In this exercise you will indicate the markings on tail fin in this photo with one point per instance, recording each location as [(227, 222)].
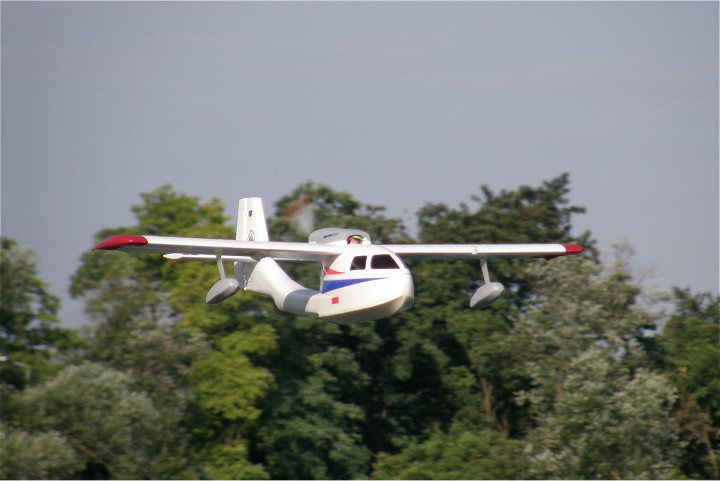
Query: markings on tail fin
[(251, 224)]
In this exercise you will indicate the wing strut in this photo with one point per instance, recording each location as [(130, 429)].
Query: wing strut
[(220, 266), (488, 292), (223, 288), (484, 268)]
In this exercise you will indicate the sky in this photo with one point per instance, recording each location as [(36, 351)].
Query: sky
[(398, 103)]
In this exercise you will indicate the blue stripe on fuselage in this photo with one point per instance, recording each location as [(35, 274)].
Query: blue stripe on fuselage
[(328, 286)]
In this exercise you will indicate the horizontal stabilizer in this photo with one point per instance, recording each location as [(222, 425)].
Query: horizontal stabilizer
[(178, 256)]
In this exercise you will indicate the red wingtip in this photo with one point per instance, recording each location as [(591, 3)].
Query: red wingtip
[(119, 241), (571, 249)]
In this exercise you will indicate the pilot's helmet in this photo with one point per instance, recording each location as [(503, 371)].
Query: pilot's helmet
[(355, 239)]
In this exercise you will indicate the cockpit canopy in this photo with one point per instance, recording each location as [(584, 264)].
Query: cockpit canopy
[(337, 236), (377, 261)]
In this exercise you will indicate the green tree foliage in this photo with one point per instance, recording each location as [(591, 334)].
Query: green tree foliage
[(331, 208), (310, 434), (461, 453), (690, 356), (553, 380), (119, 288), (599, 414), (194, 360), (36, 455), (30, 334), (228, 386), (88, 414), (607, 423), (315, 419), (577, 304), (422, 368), (477, 340), (529, 214), (226, 381), (229, 460)]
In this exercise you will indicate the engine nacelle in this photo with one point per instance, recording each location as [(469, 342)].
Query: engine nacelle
[(486, 295), (221, 290)]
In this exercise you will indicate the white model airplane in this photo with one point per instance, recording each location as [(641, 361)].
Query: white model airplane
[(359, 280)]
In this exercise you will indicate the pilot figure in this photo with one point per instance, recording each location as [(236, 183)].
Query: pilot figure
[(355, 239)]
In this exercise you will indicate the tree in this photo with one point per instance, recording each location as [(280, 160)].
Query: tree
[(30, 333), (310, 434), (607, 422), (36, 455), (437, 391), (599, 411), (315, 419), (417, 370), (119, 288), (577, 304), (528, 214), (151, 323), (463, 367), (689, 354), (461, 453), (476, 342), (91, 414), (229, 387), (330, 208)]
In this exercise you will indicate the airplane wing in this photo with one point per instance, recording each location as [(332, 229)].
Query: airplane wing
[(198, 248), (468, 251)]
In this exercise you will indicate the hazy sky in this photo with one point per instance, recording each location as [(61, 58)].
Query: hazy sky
[(399, 104)]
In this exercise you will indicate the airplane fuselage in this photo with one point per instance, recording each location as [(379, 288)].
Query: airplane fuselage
[(366, 282)]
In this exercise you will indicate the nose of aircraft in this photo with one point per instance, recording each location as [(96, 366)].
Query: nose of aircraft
[(407, 296), (395, 295)]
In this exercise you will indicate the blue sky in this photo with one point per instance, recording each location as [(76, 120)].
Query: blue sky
[(399, 104)]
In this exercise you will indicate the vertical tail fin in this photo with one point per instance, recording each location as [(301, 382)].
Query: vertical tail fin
[(266, 276), (251, 224)]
